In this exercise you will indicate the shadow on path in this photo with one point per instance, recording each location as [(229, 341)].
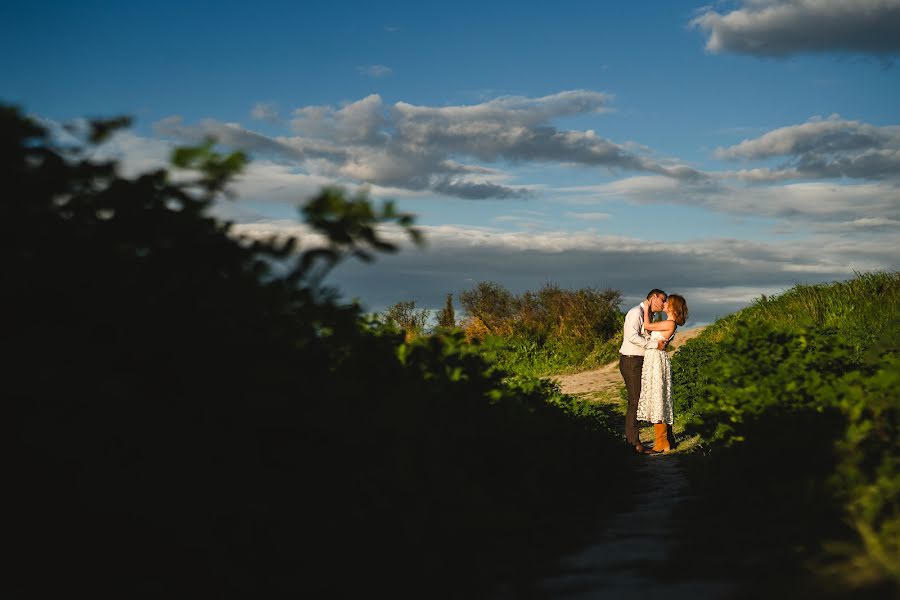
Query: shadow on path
[(629, 555)]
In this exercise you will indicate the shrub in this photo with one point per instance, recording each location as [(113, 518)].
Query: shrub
[(184, 418), (763, 394), (404, 316), (584, 314), (690, 379), (868, 475), (492, 304), (767, 379), (550, 331)]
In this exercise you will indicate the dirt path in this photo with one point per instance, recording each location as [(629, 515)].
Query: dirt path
[(607, 377), (635, 543), (627, 559)]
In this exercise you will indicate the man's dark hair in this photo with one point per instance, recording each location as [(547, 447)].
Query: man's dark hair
[(655, 292)]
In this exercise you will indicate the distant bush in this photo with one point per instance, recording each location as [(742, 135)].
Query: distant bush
[(548, 331), (405, 317), (492, 304), (583, 314)]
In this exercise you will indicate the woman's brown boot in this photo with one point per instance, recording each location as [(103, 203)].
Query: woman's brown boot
[(661, 444)]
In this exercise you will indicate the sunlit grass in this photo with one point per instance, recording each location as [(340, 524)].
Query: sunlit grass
[(872, 298), (822, 355)]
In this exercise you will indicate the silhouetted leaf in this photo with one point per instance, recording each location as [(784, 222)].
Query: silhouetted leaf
[(101, 129)]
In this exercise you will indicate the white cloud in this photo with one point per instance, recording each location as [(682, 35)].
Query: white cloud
[(864, 224), (441, 150), (232, 135), (785, 27), (274, 182), (265, 111), (376, 71), (135, 154), (816, 201), (823, 148), (456, 257), (722, 261), (588, 216), (360, 122), (838, 228), (408, 151)]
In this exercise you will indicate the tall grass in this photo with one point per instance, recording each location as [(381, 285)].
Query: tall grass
[(860, 308)]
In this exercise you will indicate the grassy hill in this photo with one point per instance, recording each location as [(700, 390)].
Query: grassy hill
[(861, 308), (795, 400)]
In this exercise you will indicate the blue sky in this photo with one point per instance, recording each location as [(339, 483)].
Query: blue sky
[(721, 151)]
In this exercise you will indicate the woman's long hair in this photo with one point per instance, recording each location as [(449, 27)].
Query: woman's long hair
[(678, 310)]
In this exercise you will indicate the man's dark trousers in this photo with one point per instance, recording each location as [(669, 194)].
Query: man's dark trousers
[(630, 367)]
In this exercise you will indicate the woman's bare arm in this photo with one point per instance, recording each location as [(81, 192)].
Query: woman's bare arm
[(667, 327)]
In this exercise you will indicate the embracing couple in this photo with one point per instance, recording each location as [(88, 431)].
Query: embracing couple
[(646, 369)]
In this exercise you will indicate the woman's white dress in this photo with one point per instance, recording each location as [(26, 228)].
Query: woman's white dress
[(655, 404)]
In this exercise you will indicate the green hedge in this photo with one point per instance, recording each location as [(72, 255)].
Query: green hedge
[(799, 422)]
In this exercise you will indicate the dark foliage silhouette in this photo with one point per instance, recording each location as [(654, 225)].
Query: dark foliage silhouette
[(185, 419)]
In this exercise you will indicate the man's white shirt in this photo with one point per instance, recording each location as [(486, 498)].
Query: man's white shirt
[(635, 339)]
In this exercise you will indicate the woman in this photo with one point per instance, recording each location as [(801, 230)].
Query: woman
[(655, 403)]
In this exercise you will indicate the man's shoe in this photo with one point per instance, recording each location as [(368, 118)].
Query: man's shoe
[(642, 449)]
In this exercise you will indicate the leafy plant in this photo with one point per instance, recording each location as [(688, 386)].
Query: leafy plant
[(815, 367), (214, 426), (868, 475), (690, 379)]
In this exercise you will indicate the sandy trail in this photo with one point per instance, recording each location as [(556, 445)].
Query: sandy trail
[(626, 558), (607, 377)]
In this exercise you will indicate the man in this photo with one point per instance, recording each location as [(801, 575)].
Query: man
[(631, 362)]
